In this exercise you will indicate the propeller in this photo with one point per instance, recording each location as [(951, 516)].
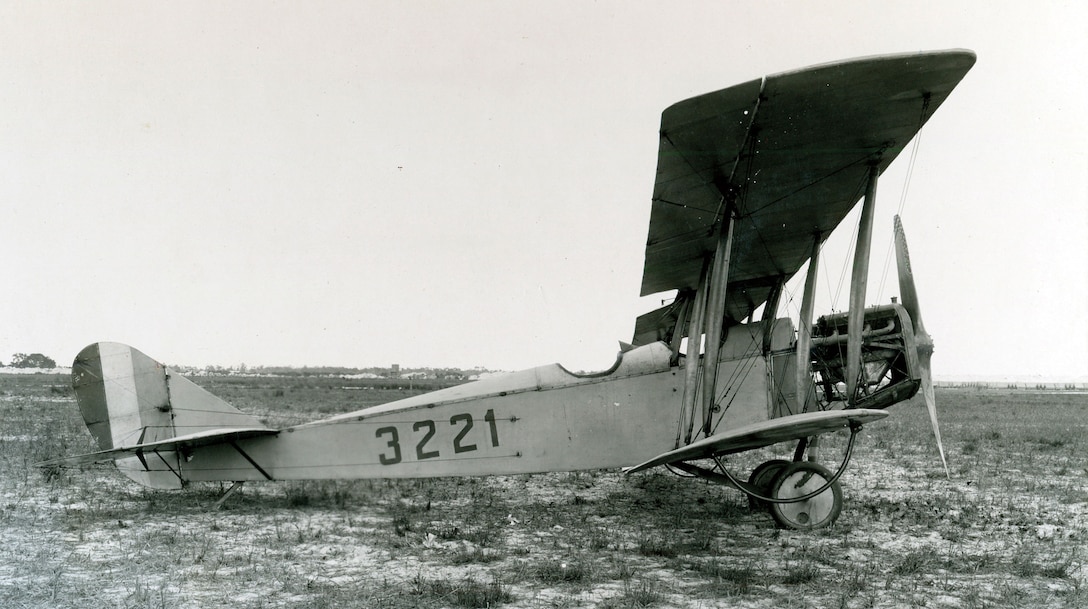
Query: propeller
[(909, 296)]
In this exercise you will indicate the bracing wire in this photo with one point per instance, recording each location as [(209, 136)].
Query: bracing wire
[(736, 378), (906, 188), (853, 245)]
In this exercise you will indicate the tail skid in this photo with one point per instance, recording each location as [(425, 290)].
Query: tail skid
[(138, 409)]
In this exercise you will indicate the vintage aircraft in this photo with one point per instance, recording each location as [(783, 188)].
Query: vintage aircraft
[(751, 180)]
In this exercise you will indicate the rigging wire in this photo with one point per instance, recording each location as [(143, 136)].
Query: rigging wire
[(791, 309), (906, 188), (672, 469), (853, 246), (827, 281), (739, 374)]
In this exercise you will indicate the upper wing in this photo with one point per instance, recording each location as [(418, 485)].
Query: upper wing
[(765, 433), (795, 148)]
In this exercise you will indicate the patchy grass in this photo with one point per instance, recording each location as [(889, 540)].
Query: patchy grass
[(1006, 531), (468, 592)]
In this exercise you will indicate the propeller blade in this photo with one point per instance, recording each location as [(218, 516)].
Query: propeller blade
[(909, 297), (931, 403)]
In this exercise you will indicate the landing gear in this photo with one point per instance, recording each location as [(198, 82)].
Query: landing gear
[(799, 494), (797, 480), (778, 484), (761, 478)]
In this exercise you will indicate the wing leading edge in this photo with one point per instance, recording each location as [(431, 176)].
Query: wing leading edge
[(193, 440), (793, 152), (765, 433)]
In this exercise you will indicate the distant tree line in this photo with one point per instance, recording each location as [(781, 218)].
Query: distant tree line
[(32, 360), (445, 374)]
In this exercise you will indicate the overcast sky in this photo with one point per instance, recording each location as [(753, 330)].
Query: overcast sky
[(468, 183)]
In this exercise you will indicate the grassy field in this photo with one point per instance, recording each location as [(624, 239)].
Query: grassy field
[(1007, 531)]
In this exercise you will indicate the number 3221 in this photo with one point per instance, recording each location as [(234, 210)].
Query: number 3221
[(463, 422)]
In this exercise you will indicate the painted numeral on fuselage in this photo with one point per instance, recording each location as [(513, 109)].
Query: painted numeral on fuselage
[(394, 443), (420, 453), (457, 446), (490, 418), (464, 421)]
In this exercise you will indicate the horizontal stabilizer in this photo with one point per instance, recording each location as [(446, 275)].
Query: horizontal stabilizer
[(764, 433), (200, 438), (134, 405)]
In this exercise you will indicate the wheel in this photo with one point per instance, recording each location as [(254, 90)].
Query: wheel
[(761, 478), (797, 480)]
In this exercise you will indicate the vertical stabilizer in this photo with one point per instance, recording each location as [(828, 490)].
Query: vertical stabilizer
[(128, 399)]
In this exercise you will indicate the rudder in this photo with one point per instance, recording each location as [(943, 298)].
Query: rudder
[(126, 398)]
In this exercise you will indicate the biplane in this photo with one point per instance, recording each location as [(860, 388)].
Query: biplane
[(751, 181)]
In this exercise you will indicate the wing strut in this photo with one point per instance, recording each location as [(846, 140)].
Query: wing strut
[(804, 330), (715, 313), (858, 283), (691, 366), (770, 309), (709, 315), (682, 317)]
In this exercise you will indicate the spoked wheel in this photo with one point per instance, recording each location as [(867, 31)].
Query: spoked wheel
[(761, 478), (797, 480)]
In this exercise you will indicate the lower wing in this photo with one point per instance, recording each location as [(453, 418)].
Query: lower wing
[(765, 433)]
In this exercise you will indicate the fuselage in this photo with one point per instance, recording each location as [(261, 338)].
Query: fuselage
[(537, 420)]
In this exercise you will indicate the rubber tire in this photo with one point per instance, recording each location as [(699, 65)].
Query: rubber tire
[(817, 512), (761, 478)]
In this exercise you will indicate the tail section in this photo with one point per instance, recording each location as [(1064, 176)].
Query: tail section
[(129, 400)]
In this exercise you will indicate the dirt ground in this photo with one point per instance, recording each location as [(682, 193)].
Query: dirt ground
[(1008, 530)]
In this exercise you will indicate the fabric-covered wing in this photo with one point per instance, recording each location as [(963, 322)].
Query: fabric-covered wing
[(795, 149), (765, 433)]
